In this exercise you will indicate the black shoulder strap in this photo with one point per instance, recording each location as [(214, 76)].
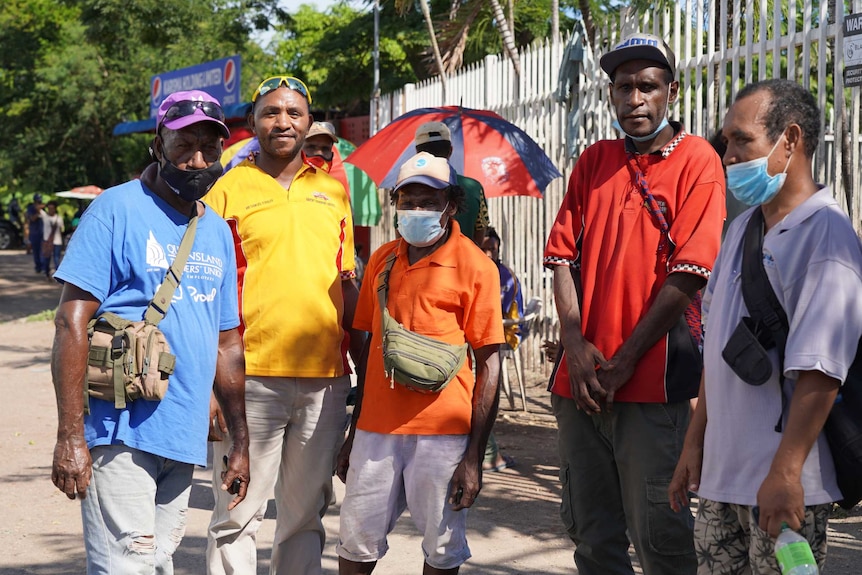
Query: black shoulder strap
[(760, 298)]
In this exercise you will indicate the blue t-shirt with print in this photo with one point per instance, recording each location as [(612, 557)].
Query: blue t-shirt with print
[(125, 242)]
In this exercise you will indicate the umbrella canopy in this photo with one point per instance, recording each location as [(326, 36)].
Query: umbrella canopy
[(485, 146), (359, 185), (81, 193)]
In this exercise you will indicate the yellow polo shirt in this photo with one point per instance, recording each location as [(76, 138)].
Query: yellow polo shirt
[(294, 247)]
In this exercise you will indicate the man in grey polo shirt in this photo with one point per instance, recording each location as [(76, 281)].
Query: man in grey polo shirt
[(749, 449)]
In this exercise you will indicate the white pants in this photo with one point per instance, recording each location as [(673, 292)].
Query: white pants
[(391, 473), (135, 511), (296, 426)]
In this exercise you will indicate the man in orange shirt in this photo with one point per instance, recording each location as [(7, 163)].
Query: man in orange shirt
[(422, 451)]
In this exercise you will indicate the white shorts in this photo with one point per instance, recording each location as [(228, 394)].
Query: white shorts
[(391, 473)]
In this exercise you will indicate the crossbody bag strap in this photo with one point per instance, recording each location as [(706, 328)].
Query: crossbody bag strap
[(383, 283), (161, 302), (760, 298), (650, 202)]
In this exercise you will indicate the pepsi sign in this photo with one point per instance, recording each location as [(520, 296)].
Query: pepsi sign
[(218, 78)]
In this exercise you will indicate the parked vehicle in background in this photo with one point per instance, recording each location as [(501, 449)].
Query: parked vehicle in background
[(10, 235)]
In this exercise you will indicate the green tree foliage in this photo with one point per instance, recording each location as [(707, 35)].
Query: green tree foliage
[(532, 22), (331, 49), (332, 52), (71, 70)]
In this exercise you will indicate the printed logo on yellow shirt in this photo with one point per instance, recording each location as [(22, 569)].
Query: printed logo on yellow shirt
[(320, 198), (259, 204)]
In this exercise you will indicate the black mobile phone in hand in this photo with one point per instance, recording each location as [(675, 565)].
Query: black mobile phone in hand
[(235, 485), (458, 494)]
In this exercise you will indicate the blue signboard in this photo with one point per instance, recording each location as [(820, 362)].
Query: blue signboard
[(219, 78)]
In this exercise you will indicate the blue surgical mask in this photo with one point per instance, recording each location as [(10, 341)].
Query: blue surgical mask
[(420, 228), (751, 184), (661, 126)]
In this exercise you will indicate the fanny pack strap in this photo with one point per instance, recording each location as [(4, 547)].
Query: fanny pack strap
[(383, 284), (760, 298), (161, 302)]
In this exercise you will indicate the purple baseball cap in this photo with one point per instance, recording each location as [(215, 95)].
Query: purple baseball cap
[(182, 109)]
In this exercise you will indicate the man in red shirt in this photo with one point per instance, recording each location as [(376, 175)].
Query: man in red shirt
[(632, 245)]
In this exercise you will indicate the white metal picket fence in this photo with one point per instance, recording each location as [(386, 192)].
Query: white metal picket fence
[(566, 109)]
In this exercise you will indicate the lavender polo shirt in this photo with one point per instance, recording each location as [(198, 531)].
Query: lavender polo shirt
[(813, 259)]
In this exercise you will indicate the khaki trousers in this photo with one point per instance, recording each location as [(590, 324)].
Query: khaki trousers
[(296, 426)]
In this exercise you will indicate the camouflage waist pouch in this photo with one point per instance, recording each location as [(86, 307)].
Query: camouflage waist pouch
[(128, 360)]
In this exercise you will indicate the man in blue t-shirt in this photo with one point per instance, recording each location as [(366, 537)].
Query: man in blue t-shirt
[(132, 467)]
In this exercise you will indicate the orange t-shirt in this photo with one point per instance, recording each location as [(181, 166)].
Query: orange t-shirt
[(453, 295)]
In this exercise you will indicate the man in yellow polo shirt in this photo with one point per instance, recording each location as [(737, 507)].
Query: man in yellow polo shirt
[(293, 234)]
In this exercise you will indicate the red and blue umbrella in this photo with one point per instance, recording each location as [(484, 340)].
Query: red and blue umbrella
[(485, 146)]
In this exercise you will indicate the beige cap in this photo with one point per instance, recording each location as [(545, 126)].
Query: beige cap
[(432, 132), (423, 168), (322, 129)]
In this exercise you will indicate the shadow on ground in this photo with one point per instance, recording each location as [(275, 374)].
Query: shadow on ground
[(24, 298)]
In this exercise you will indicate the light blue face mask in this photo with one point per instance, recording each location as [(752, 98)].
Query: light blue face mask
[(751, 184), (420, 228), (661, 126)]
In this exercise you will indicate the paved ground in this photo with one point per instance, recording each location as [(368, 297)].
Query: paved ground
[(514, 527)]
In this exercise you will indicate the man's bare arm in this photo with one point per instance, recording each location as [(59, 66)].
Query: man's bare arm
[(342, 462), (780, 496), (350, 292), (467, 478), (582, 357), (229, 390), (673, 297), (72, 466)]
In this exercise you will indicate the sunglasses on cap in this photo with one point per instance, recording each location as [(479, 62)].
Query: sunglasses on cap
[(188, 107), (276, 82)]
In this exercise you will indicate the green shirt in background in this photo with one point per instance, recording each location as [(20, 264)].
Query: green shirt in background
[(475, 214)]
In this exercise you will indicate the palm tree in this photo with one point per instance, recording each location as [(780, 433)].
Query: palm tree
[(507, 37), (438, 60), (454, 33)]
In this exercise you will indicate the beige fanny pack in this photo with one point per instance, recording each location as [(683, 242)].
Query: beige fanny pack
[(417, 362), (131, 360)]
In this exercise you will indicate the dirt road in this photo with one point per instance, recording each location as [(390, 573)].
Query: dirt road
[(513, 529)]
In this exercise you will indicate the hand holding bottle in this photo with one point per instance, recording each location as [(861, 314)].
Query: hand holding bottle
[(793, 553)]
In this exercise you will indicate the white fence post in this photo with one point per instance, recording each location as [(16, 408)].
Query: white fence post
[(737, 50)]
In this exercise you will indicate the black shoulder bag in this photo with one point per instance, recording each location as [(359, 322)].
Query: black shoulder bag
[(769, 327)]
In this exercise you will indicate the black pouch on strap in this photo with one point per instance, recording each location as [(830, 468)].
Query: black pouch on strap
[(746, 356)]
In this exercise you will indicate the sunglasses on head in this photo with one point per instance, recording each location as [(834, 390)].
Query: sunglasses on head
[(188, 107), (276, 82)]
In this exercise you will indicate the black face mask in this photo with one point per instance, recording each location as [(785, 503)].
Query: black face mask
[(190, 185)]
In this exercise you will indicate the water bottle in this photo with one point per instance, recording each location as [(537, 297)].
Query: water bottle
[(794, 554)]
